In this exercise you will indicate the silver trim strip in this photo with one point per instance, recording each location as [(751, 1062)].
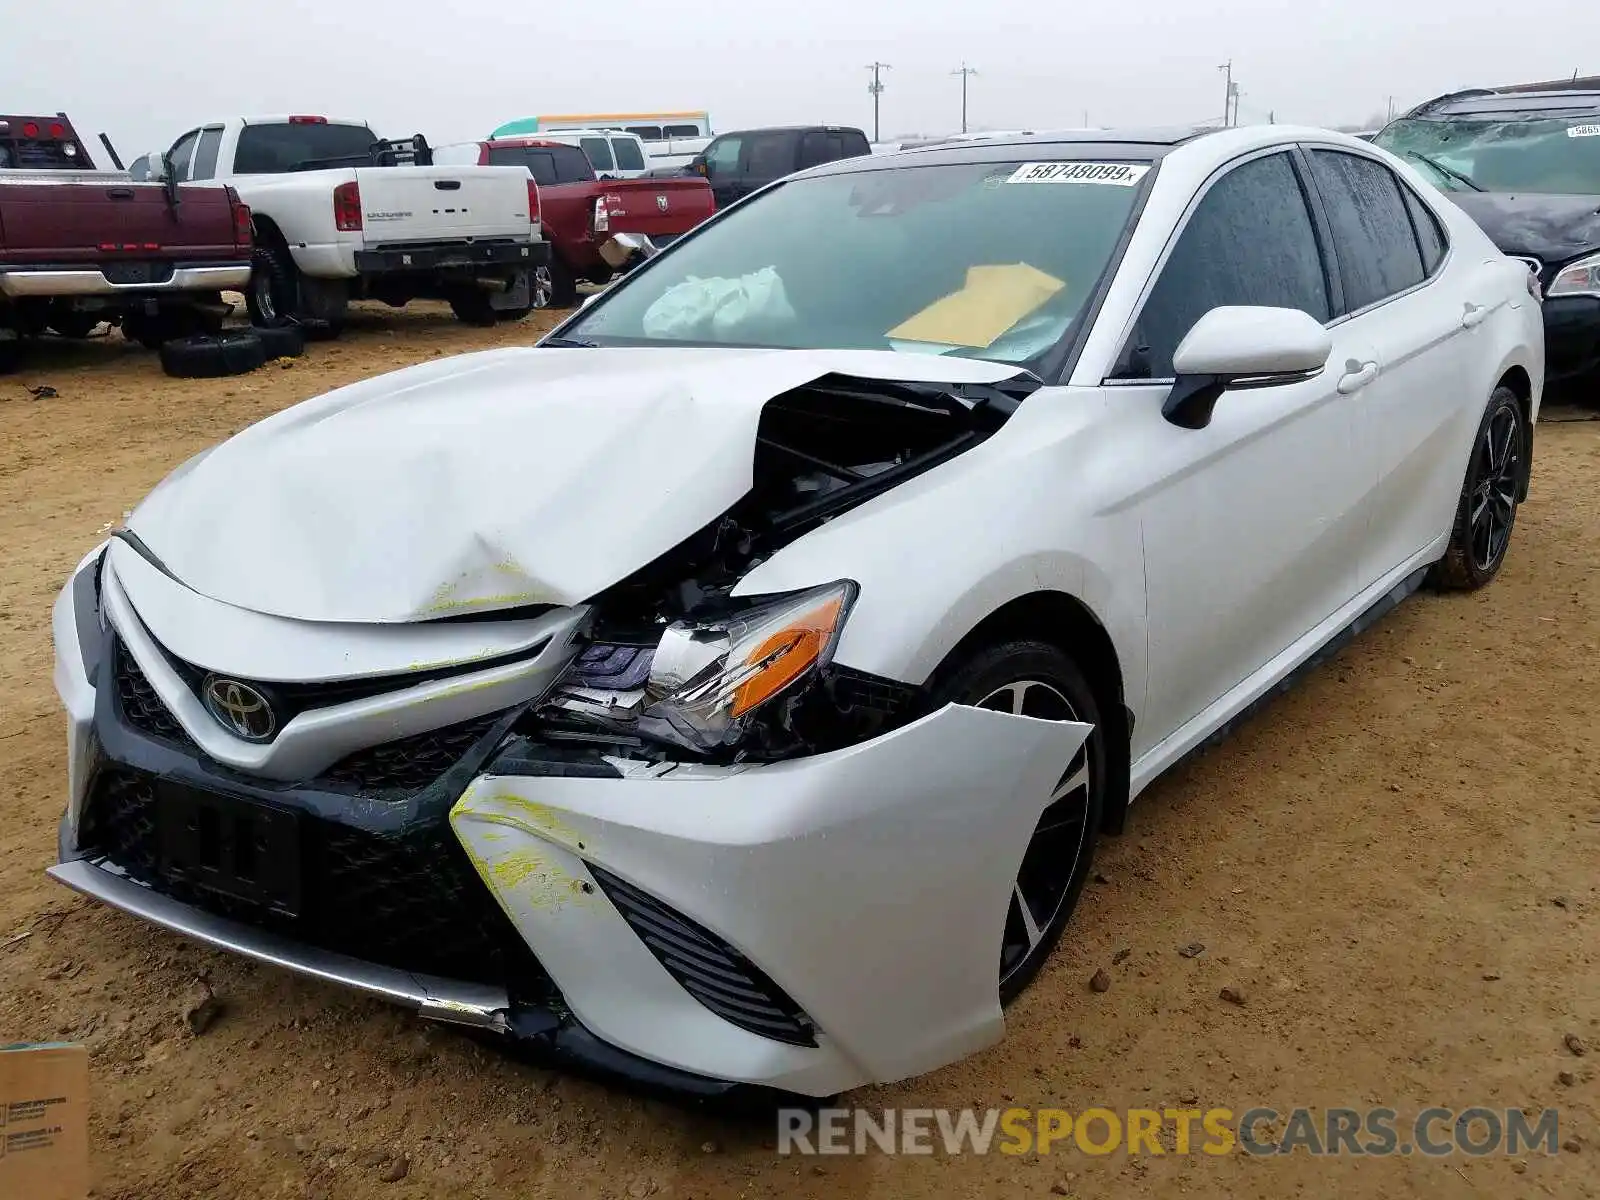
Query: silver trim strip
[(451, 1001), (93, 282)]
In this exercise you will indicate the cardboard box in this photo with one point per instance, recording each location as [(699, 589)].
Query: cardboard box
[(44, 1122)]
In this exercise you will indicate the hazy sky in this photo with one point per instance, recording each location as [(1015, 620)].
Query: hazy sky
[(147, 71)]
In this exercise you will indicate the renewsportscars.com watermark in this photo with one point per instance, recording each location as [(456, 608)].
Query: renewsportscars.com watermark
[(1434, 1132)]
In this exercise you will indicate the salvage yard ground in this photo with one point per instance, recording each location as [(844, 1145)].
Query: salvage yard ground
[(1396, 865)]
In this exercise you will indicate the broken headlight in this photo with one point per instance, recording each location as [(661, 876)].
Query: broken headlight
[(706, 679)]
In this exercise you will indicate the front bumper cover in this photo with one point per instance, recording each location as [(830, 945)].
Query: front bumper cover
[(869, 884)]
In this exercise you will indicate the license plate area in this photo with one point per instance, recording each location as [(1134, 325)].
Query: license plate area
[(237, 848), (133, 273)]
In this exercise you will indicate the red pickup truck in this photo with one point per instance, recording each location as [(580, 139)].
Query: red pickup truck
[(79, 246), (581, 213)]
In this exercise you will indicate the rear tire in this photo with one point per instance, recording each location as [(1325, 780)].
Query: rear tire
[(1487, 509), (273, 293), (207, 356), (1037, 679), (562, 291), (471, 307)]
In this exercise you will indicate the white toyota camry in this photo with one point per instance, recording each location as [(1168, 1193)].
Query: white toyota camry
[(732, 689)]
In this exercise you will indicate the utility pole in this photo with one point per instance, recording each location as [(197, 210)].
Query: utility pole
[(964, 71), (1391, 108), (1228, 93), (876, 88)]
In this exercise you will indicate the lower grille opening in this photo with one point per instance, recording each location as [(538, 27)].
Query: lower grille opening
[(709, 969), (411, 901)]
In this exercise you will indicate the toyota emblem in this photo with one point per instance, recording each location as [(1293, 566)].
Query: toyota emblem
[(661, 203), (240, 709)]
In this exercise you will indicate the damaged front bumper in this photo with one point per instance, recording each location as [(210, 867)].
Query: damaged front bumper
[(808, 925)]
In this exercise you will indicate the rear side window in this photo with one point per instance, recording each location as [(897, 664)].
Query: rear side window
[(686, 131), (648, 133), (771, 155), (599, 151), (205, 155), (572, 165), (1249, 241), (1430, 235), (854, 144), (1372, 233), (628, 155)]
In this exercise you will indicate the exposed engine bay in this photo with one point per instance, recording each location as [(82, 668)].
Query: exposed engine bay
[(659, 682)]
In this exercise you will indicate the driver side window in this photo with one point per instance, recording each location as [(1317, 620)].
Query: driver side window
[(722, 156), (1249, 241)]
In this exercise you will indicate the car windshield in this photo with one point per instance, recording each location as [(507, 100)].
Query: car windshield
[(988, 260), (1558, 155)]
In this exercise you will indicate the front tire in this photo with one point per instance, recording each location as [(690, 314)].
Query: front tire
[(1487, 509), (1036, 679)]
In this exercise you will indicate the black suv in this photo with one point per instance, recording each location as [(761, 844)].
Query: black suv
[(1524, 162), (739, 163)]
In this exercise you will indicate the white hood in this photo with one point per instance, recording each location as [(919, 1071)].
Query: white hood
[(485, 481)]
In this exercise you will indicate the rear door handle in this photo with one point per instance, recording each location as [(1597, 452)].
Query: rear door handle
[(1357, 376), (1473, 314)]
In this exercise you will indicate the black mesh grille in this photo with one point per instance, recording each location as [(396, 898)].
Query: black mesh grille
[(709, 969), (887, 698), (410, 901), (410, 763), (140, 705)]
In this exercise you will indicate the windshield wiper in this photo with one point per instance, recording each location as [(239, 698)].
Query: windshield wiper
[(574, 343), (1429, 160)]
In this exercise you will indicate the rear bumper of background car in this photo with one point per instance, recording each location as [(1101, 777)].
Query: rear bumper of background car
[(807, 926)]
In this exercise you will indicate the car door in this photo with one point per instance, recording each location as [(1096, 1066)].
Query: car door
[(769, 155), (1422, 314), (1251, 524)]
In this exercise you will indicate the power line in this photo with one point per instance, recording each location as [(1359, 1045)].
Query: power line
[(965, 72), (876, 88)]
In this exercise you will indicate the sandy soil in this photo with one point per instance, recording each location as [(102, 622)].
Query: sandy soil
[(1396, 864)]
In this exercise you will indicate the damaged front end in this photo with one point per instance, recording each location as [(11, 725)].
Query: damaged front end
[(677, 667)]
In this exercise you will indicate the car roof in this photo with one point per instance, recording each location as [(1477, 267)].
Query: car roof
[(1487, 102), (790, 129), (1140, 145), (542, 141)]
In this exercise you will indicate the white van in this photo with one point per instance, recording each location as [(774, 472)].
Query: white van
[(614, 153)]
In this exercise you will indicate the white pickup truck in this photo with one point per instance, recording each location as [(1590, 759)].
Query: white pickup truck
[(342, 215)]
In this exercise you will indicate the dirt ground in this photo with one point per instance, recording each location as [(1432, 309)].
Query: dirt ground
[(1396, 864)]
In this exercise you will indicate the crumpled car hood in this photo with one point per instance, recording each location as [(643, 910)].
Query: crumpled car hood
[(1551, 228), (486, 481)]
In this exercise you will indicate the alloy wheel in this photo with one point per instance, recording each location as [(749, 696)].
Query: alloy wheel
[(1040, 892), (1498, 468), (543, 287)]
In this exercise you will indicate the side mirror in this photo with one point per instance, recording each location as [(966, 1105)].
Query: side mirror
[(698, 166), (1242, 346)]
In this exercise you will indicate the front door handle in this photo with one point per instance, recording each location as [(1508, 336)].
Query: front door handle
[(1473, 314), (1356, 376)]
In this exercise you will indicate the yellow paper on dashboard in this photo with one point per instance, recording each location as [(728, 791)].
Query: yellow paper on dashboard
[(993, 300)]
